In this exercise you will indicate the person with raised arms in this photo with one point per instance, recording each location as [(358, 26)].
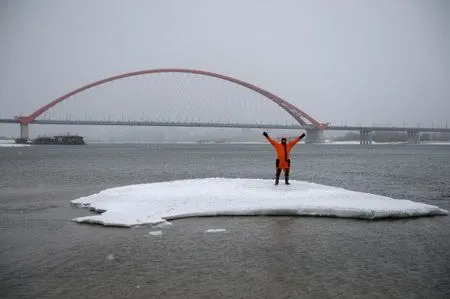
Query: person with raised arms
[(283, 162)]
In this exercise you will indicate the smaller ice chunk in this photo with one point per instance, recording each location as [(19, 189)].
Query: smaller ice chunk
[(215, 230), (155, 233)]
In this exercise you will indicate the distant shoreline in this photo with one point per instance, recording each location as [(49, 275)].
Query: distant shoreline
[(350, 142), (10, 142)]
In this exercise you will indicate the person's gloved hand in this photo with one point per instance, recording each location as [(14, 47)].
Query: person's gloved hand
[(265, 134), (303, 135)]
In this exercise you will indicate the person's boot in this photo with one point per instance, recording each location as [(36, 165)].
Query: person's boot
[(277, 176), (286, 177)]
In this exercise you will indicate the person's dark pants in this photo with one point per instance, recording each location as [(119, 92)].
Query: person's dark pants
[(278, 172)]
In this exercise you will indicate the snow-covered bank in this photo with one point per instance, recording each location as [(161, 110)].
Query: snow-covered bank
[(11, 143), (389, 143), (157, 202), (434, 143)]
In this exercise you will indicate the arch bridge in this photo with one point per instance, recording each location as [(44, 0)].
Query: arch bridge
[(304, 120)]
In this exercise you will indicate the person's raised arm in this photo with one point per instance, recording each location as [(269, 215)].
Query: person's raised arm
[(273, 142), (295, 140)]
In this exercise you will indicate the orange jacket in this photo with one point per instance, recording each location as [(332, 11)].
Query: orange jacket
[(283, 151)]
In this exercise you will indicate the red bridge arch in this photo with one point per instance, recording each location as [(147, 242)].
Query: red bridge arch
[(295, 112)]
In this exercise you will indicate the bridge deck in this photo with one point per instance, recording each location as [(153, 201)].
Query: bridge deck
[(224, 125)]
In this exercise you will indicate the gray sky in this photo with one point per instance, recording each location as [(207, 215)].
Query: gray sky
[(353, 62)]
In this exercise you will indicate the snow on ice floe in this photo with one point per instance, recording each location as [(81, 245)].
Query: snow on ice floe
[(157, 203)]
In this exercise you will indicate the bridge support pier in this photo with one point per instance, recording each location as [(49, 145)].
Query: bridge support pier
[(413, 136), (314, 136), (366, 137), (24, 132)]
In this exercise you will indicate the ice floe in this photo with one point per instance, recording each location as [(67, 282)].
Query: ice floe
[(157, 203)]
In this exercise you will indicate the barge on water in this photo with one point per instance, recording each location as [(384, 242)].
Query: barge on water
[(58, 140)]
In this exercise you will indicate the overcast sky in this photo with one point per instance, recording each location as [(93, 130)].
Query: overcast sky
[(349, 61)]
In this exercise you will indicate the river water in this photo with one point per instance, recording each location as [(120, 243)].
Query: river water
[(43, 254)]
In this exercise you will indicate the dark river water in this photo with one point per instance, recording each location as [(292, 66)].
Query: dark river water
[(43, 254)]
